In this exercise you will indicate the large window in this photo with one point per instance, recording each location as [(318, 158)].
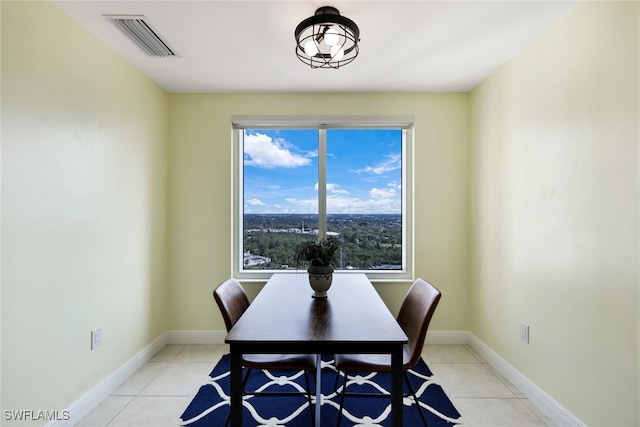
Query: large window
[(301, 180)]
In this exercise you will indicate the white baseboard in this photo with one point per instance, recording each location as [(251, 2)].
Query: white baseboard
[(550, 407), (104, 388), (556, 412)]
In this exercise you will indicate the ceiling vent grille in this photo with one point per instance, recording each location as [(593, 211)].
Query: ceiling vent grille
[(142, 34)]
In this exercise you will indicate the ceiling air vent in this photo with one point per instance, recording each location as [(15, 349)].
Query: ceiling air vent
[(142, 34)]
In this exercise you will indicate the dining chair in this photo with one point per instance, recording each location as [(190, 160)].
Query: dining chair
[(232, 301), (414, 317)]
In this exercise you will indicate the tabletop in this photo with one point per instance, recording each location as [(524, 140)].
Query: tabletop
[(285, 311)]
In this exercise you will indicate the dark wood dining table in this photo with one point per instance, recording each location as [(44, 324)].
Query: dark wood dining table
[(285, 318)]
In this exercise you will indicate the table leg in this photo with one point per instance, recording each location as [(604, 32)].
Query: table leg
[(396, 386), (236, 387), (318, 388)]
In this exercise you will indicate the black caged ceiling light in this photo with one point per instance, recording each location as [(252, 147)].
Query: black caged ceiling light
[(327, 39)]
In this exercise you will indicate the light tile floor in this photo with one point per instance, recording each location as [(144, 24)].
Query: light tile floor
[(157, 394)]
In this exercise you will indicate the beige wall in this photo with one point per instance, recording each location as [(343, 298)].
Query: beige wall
[(555, 181), (101, 168), (201, 180), (84, 145)]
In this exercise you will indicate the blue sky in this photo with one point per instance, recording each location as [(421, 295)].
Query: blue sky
[(363, 171)]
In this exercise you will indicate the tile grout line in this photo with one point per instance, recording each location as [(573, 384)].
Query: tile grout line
[(166, 363)]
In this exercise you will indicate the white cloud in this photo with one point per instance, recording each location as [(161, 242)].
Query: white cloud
[(302, 205), (380, 200), (382, 193), (255, 202), (333, 189), (348, 205), (393, 162), (264, 152), (390, 192), (339, 203), (336, 189)]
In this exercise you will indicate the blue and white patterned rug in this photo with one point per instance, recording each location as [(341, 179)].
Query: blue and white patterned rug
[(210, 406)]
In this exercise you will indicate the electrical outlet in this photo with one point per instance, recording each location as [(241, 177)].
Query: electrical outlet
[(96, 338), (524, 332)]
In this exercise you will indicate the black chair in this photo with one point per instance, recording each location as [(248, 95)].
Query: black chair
[(233, 301), (414, 317)]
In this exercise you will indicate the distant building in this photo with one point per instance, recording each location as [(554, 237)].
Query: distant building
[(251, 260)]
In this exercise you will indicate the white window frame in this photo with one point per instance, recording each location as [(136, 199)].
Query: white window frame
[(240, 123)]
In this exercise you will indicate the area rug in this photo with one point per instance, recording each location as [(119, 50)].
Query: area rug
[(210, 406)]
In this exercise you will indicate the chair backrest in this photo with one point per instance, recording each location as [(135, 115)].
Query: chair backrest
[(415, 315), (232, 301)]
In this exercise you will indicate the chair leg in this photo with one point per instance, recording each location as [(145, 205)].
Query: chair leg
[(415, 398), (245, 380)]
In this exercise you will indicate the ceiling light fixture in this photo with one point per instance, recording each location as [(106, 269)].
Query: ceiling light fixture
[(327, 39)]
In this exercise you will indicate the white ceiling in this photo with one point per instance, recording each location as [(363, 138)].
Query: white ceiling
[(248, 46)]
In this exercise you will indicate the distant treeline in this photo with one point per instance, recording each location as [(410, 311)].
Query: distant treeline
[(369, 241)]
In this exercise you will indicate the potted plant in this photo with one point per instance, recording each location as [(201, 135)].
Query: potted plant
[(320, 256)]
